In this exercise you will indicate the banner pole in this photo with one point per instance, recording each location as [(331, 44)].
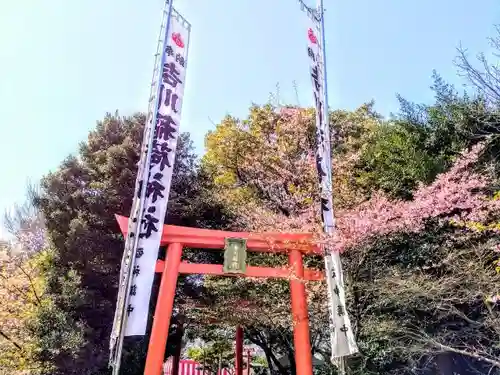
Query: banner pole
[(138, 205), (342, 338), (321, 14)]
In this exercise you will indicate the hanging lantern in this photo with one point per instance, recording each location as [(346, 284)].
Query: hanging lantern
[(235, 255)]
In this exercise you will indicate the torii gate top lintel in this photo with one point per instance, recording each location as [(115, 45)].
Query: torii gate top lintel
[(214, 239)]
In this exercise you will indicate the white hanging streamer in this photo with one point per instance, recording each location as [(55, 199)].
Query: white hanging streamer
[(342, 338), (153, 183)]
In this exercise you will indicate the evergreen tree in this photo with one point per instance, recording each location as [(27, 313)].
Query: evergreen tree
[(79, 201)]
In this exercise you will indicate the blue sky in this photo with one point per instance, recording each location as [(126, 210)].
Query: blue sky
[(63, 64)]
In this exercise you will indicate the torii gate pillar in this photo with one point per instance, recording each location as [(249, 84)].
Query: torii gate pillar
[(239, 351)]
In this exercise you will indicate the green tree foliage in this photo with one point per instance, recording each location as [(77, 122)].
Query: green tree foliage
[(424, 140), (22, 292), (443, 129), (398, 333), (395, 162), (428, 301), (34, 327), (420, 302), (57, 333), (79, 201), (268, 158), (267, 161)]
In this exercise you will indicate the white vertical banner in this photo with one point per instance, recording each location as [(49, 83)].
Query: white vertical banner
[(137, 211), (161, 165), (342, 337)]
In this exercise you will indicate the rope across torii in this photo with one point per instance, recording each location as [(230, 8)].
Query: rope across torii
[(155, 168)]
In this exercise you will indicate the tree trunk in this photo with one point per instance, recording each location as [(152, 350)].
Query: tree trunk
[(178, 347), (177, 357), (291, 359)]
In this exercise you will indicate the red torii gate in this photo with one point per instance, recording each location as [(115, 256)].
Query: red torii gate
[(176, 237)]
